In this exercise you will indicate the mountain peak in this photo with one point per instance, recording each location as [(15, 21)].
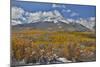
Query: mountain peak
[(20, 16)]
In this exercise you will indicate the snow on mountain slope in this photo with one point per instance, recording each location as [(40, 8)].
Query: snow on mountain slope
[(20, 16), (90, 23), (55, 15), (46, 16)]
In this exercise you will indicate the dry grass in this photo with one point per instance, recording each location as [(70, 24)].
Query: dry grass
[(30, 43)]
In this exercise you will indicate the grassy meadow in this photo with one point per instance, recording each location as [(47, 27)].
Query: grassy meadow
[(31, 44)]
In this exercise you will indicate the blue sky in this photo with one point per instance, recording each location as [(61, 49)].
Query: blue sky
[(67, 10)]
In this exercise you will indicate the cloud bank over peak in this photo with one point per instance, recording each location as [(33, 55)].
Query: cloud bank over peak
[(20, 16), (17, 12)]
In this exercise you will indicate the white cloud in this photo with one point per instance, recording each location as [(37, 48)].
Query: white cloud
[(92, 19), (66, 10), (44, 16), (74, 14), (17, 12), (23, 18), (58, 6), (34, 16), (54, 5), (63, 6), (15, 22)]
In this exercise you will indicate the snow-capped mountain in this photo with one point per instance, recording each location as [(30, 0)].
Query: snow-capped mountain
[(90, 23), (46, 16), (19, 16), (29, 17)]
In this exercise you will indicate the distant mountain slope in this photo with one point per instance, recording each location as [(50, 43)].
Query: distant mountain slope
[(51, 26)]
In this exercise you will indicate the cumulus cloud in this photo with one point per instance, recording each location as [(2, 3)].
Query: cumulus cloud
[(18, 15), (92, 19), (54, 5), (15, 22), (17, 12), (66, 10), (58, 6), (74, 14), (44, 16), (34, 16)]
